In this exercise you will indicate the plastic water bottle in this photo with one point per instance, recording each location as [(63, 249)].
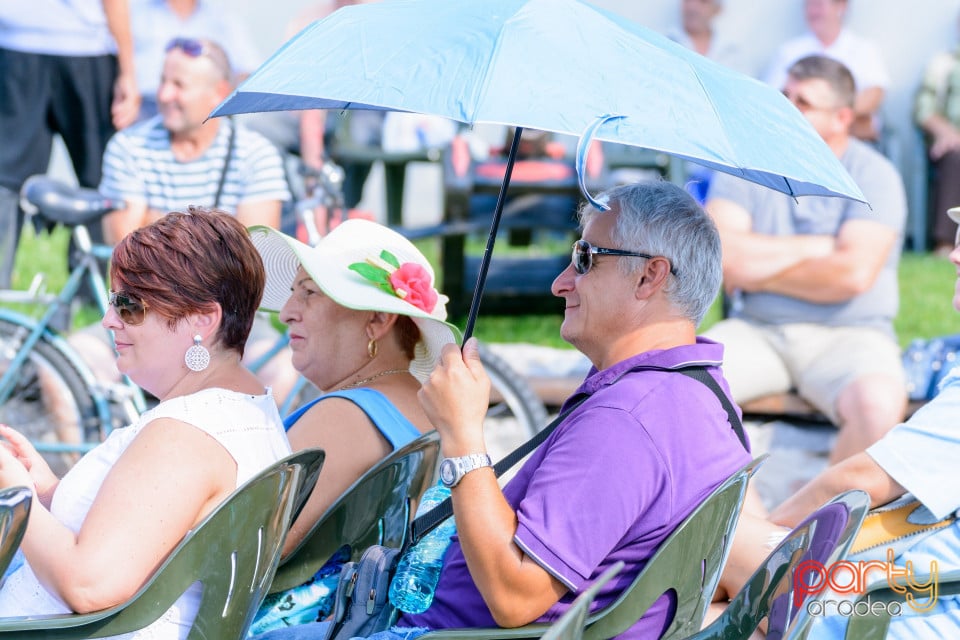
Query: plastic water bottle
[(413, 585)]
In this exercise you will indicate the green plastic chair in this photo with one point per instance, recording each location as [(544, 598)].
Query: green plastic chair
[(689, 562), (570, 625), (877, 623), (14, 512), (824, 536), (373, 510), (234, 552)]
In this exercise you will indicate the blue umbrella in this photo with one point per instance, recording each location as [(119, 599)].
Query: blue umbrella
[(563, 66)]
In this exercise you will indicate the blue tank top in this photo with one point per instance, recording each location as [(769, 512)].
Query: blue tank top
[(392, 424)]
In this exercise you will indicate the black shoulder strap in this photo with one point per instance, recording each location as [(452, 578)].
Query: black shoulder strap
[(701, 374), (422, 525), (231, 143)]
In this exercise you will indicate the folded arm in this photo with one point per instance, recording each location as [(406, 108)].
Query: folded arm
[(750, 259), (862, 248)]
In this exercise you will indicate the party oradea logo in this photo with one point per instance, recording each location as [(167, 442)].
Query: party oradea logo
[(847, 580)]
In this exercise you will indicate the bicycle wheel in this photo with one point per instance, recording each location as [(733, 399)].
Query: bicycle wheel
[(516, 412), (51, 403)]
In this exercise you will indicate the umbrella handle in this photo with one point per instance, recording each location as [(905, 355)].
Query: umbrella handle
[(494, 225), (582, 147)]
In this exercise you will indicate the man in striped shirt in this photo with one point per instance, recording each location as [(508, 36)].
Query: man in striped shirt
[(179, 158)]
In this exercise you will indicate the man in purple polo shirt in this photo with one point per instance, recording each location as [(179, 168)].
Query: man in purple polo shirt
[(627, 465)]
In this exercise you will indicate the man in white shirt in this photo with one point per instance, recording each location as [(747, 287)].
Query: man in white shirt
[(179, 158)]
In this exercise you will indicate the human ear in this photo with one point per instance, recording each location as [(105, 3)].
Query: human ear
[(379, 324), (653, 276), (207, 322)]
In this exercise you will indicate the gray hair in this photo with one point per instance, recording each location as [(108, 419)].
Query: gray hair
[(662, 219)]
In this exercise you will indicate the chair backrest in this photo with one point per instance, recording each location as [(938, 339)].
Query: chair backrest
[(234, 552), (823, 538), (570, 625), (373, 510), (311, 461), (14, 512), (689, 562)]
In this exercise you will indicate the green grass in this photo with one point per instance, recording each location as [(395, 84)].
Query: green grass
[(926, 294)]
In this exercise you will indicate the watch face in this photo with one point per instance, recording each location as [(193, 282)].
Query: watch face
[(448, 472)]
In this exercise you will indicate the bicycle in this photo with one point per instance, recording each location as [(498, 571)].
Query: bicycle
[(46, 389)]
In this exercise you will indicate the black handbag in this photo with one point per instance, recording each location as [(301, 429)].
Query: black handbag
[(360, 606)]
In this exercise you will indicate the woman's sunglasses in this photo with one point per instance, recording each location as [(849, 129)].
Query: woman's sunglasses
[(131, 311), (583, 252)]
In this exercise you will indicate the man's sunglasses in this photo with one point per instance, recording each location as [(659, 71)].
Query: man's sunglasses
[(191, 47), (131, 311), (583, 252)]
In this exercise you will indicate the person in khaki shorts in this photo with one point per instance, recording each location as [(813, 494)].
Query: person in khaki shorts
[(813, 281)]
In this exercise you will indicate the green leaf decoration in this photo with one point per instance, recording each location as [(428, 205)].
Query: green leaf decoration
[(389, 258), (374, 274)]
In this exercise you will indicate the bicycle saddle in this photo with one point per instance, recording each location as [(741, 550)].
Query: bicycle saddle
[(60, 203)]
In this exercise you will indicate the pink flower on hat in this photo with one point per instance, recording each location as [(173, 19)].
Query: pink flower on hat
[(409, 281)]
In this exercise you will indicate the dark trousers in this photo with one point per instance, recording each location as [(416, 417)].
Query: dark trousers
[(946, 194), (40, 96)]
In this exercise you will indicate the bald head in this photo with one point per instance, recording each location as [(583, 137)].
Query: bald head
[(196, 78), (203, 49)]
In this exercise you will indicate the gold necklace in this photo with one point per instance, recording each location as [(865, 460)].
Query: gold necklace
[(358, 383)]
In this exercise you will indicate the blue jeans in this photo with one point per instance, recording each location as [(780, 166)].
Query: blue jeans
[(319, 630)]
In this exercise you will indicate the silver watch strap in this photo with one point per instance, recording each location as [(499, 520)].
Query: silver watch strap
[(474, 461)]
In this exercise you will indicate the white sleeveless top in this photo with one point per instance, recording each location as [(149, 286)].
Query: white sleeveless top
[(248, 427)]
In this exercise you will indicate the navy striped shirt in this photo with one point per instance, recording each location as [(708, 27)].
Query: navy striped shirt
[(139, 165)]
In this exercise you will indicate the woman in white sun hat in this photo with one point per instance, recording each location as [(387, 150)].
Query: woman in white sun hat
[(366, 326)]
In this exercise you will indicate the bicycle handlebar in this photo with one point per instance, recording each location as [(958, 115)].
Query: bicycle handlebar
[(54, 201)]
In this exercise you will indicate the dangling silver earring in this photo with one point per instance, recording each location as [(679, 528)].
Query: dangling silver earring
[(197, 357)]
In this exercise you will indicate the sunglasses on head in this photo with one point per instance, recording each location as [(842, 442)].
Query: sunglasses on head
[(583, 252), (191, 47), (130, 310)]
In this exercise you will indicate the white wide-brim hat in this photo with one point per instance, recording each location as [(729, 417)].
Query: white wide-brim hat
[(379, 250), (954, 213)]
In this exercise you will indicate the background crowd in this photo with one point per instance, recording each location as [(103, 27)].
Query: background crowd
[(251, 30)]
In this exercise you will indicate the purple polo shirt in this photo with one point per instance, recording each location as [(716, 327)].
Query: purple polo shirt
[(609, 484)]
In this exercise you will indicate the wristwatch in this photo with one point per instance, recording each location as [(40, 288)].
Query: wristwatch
[(452, 470)]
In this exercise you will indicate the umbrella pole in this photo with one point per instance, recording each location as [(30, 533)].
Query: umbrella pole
[(492, 238)]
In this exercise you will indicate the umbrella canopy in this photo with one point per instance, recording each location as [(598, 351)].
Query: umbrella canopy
[(563, 66), (553, 65)]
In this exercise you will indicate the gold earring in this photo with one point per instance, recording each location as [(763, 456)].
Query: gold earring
[(372, 348)]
